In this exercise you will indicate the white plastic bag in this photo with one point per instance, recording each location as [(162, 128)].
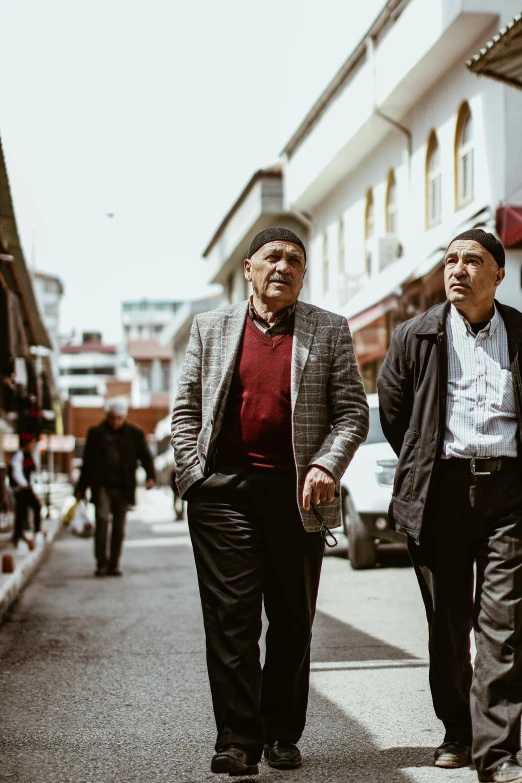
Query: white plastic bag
[(81, 523)]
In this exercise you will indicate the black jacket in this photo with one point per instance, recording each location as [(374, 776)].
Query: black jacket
[(133, 449), (412, 387)]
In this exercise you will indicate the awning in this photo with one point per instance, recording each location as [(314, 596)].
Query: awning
[(381, 295), (501, 58), (372, 313), (509, 225)]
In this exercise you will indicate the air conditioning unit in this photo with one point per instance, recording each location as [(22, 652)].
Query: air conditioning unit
[(349, 286), (383, 251)]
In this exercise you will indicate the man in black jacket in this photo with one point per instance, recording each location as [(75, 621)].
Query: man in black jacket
[(110, 459), (450, 393)]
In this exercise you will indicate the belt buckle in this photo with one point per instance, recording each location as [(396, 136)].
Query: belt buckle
[(478, 472)]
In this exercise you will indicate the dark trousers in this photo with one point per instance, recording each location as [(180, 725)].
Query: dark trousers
[(109, 502), (475, 521), (249, 545), (24, 500)]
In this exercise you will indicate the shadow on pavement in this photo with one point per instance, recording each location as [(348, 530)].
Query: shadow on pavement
[(337, 748), (335, 640)]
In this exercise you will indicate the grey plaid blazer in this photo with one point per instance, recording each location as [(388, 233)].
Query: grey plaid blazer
[(329, 407)]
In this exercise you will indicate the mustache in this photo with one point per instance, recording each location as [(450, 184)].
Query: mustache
[(466, 283), (278, 277)]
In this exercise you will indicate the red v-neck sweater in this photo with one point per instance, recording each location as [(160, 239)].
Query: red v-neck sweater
[(257, 428)]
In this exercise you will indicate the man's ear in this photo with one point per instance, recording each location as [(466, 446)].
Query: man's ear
[(501, 273), (247, 269)]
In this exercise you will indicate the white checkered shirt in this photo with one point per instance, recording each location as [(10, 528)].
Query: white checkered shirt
[(481, 416)]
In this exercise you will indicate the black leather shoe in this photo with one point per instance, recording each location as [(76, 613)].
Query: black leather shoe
[(452, 755), (233, 759), (282, 754), (114, 572), (506, 772)]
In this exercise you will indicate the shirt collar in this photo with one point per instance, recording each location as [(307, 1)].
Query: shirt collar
[(463, 324), (280, 320)]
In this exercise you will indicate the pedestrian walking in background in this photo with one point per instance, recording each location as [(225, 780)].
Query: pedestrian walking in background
[(112, 452), (451, 400), (22, 467), (269, 412)]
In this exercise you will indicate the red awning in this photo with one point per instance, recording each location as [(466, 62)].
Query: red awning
[(509, 225), (361, 320)]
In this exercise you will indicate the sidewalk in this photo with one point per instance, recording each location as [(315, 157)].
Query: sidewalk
[(27, 562)]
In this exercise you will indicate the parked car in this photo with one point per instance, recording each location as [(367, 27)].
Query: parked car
[(366, 489)]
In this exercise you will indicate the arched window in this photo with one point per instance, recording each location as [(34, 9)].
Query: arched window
[(369, 227), (326, 263), (464, 154), (391, 204), (341, 247), (433, 182)]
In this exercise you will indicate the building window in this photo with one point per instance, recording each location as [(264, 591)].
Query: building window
[(464, 157), (326, 263), (165, 376), (341, 247), (391, 204), (82, 391), (433, 182), (369, 228), (145, 376)]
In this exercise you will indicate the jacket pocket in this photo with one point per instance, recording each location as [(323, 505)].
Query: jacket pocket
[(405, 473)]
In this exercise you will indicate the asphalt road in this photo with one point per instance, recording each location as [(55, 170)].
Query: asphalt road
[(104, 680)]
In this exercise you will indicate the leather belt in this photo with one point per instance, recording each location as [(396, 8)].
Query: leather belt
[(479, 466)]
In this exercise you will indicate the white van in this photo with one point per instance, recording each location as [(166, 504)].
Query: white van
[(366, 489)]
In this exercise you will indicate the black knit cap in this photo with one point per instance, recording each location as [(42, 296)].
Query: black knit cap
[(276, 234), (487, 240)]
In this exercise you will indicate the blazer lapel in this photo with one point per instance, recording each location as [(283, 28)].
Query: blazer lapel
[(231, 333), (304, 328)]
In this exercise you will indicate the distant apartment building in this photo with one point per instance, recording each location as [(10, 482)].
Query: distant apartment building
[(144, 322), (49, 292), (176, 336), (152, 363), (145, 319), (90, 368)]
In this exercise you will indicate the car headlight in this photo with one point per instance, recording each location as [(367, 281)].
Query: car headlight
[(385, 471)]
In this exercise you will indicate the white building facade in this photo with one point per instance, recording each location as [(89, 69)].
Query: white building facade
[(49, 294), (89, 367), (145, 319), (405, 149), (144, 322)]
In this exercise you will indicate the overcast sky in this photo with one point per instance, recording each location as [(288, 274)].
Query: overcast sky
[(158, 112)]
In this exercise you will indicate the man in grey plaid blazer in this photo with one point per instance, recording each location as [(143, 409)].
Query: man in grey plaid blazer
[(269, 412)]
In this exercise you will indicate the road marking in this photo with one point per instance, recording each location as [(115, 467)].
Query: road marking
[(409, 663)]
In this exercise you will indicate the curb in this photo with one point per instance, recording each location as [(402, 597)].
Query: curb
[(11, 585)]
